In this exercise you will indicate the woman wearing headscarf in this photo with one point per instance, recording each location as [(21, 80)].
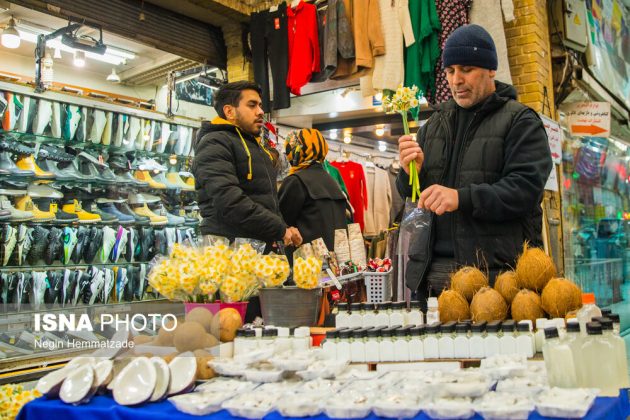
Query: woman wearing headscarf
[(310, 199)]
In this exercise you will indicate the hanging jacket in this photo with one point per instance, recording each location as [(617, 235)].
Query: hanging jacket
[(313, 202), (503, 165), (235, 182), (303, 46)]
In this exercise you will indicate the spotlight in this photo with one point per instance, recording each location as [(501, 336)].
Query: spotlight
[(10, 35), (379, 96), (382, 147), (347, 139), (173, 159), (79, 58), (333, 135), (379, 131), (113, 77)]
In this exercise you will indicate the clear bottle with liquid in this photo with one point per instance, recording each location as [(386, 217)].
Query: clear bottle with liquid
[(616, 323), (369, 315), (329, 346), (559, 361), (414, 315), (355, 318), (588, 311), (620, 351), (539, 335), (401, 344), (574, 340), (446, 342), (397, 315), (507, 342), (386, 345), (357, 345), (341, 319), (416, 345), (599, 362), (461, 343), (525, 340), (476, 340), (431, 344), (343, 345), (491, 342), (433, 313), (372, 344)]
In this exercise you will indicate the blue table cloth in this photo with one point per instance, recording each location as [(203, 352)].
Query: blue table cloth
[(104, 407)]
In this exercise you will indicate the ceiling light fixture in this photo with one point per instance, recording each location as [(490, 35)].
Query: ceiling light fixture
[(379, 96), (333, 134), (10, 35), (382, 147), (113, 77), (347, 139), (79, 58), (380, 131)]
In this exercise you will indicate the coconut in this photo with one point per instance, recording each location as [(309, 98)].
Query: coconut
[(204, 371), (467, 281), (225, 324), (165, 337), (200, 315), (507, 285), (183, 370), (189, 336), (210, 341), (163, 378), (534, 269), (170, 357), (453, 306), (488, 305), (527, 305), (142, 339), (560, 297)]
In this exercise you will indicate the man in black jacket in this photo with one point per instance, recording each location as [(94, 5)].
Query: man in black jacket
[(235, 177), (484, 159)]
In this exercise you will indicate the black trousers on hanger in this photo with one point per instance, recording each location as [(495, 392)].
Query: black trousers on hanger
[(270, 44)]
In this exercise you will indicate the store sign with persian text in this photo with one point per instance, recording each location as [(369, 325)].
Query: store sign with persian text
[(588, 119)]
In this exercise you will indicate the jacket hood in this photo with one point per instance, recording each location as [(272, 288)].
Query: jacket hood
[(503, 93)]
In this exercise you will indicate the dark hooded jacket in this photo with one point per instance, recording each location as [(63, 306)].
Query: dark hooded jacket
[(500, 174), (235, 182)]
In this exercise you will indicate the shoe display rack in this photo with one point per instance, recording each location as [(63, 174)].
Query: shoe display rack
[(88, 198)]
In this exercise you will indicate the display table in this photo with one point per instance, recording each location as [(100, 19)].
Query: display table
[(104, 407)]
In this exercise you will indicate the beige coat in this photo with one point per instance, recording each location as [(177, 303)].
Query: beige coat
[(379, 200)]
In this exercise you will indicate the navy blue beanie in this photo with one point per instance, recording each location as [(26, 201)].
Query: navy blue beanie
[(470, 45)]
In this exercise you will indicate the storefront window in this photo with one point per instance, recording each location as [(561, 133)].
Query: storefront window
[(595, 188)]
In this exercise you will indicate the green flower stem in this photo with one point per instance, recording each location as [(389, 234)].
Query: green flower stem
[(414, 181)]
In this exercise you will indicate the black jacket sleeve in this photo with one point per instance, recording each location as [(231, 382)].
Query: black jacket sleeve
[(216, 173), (527, 166), (291, 196)]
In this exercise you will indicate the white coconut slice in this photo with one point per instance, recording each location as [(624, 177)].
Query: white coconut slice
[(135, 384), (104, 373), (79, 386), (163, 378), (80, 361), (183, 373), (50, 385)]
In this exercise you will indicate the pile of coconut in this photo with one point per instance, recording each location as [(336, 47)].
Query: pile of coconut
[(135, 380), (529, 292)]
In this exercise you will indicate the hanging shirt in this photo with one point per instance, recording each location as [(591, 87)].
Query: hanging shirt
[(453, 14), (334, 173), (379, 200), (354, 177), (422, 56), (303, 46)]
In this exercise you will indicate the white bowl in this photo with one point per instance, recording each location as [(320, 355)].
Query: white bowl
[(79, 386), (163, 378), (50, 384), (183, 373), (135, 383), (199, 403)]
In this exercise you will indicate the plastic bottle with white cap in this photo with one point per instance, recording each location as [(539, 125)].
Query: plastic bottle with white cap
[(302, 339)]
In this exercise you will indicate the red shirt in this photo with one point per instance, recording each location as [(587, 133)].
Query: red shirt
[(303, 45), (354, 177)]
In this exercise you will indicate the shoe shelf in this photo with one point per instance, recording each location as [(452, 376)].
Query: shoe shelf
[(54, 267), (110, 148)]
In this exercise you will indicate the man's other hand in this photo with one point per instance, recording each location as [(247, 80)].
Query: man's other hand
[(439, 199)]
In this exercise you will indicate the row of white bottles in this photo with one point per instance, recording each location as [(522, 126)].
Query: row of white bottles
[(281, 339), (597, 360), (364, 315), (437, 341)]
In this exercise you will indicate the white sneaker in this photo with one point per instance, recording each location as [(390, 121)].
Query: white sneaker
[(81, 135), (148, 144), (55, 123), (96, 284), (121, 128), (69, 242), (9, 242), (42, 119), (108, 285), (121, 282), (99, 120), (109, 127), (23, 119), (121, 243), (73, 118), (109, 239), (21, 238), (182, 139), (171, 238), (189, 140), (132, 133), (164, 137), (39, 289), (151, 165)]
